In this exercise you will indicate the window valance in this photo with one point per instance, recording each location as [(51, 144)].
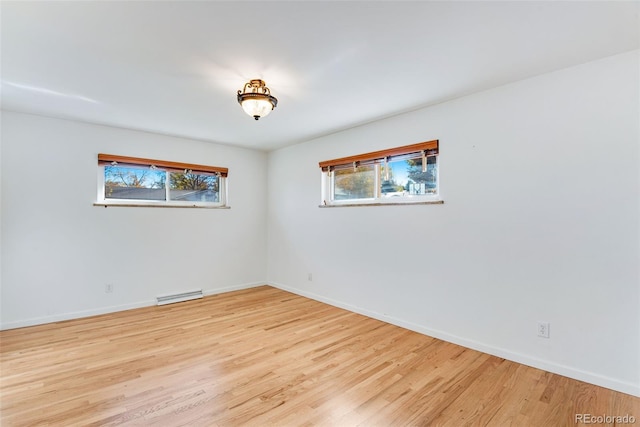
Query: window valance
[(110, 159), (428, 148)]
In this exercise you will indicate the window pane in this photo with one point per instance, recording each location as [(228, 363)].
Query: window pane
[(350, 184), (193, 187), (133, 183), (405, 177)]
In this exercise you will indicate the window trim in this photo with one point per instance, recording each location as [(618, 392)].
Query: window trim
[(168, 167), (352, 204), (378, 158)]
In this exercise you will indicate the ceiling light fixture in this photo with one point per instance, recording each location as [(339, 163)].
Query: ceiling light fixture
[(256, 99)]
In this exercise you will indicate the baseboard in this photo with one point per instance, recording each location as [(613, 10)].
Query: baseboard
[(111, 309), (545, 365), (74, 315)]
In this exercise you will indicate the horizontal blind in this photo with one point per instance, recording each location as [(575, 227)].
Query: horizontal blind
[(111, 159), (430, 148)]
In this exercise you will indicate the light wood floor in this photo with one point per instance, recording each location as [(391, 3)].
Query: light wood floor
[(263, 356)]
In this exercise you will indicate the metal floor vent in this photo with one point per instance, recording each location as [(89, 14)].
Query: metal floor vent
[(183, 296)]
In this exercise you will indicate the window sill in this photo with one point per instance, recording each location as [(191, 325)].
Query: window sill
[(154, 205), (354, 205)]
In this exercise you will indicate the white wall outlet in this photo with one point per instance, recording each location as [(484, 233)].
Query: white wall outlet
[(310, 277), (543, 329), (108, 288)]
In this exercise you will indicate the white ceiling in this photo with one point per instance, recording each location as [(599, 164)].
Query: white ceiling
[(175, 67)]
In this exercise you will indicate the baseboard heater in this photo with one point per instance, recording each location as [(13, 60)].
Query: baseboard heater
[(183, 296)]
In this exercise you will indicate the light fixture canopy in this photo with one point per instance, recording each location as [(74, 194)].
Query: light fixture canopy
[(256, 99)]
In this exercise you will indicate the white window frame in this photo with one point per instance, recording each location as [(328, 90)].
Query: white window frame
[(101, 200), (328, 189)]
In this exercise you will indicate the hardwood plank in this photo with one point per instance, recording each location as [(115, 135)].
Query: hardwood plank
[(263, 356)]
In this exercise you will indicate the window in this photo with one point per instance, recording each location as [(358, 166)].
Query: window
[(406, 174), (145, 182)]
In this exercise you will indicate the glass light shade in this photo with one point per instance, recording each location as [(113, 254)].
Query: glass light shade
[(257, 107), (256, 100)]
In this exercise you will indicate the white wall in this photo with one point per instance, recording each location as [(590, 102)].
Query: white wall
[(59, 251), (540, 223)]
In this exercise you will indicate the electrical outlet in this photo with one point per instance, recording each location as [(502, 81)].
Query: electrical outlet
[(310, 277), (543, 329), (108, 288)]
